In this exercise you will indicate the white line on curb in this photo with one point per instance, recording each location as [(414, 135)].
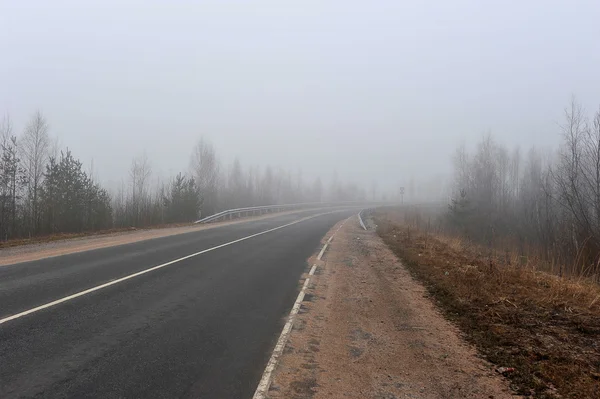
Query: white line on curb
[(265, 381), (325, 246), (322, 251), (119, 280)]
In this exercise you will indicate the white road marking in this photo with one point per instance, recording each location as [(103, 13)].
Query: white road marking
[(325, 247), (323, 250), (265, 381), (128, 277)]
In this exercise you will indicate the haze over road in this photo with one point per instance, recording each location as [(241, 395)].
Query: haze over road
[(200, 327)]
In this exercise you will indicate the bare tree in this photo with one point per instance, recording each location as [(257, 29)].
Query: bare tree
[(515, 172), (568, 174), (139, 174), (236, 185), (35, 145), (205, 169), (593, 150), (551, 204), (462, 170), (5, 174)]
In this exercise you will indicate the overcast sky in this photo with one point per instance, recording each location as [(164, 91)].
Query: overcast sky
[(374, 89)]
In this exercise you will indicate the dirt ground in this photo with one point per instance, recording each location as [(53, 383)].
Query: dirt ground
[(543, 329), (366, 329), (31, 252)]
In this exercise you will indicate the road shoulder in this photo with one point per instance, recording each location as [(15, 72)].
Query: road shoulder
[(366, 329)]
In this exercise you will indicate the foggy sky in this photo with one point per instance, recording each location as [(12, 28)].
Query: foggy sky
[(373, 89)]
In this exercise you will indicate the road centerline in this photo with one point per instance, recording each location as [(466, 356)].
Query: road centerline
[(145, 271)]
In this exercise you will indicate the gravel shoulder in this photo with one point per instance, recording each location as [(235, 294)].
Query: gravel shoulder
[(31, 252), (367, 329)]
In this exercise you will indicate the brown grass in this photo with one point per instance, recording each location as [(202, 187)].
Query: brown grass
[(546, 327)]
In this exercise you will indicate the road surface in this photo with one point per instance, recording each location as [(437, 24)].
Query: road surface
[(201, 327)]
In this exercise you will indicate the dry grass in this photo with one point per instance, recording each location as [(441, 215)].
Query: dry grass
[(544, 326)]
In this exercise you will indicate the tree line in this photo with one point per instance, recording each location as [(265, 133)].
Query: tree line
[(45, 190), (545, 204), (209, 187)]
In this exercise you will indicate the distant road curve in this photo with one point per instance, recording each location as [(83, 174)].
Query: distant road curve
[(189, 315)]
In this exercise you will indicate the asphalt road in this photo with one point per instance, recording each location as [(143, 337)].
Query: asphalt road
[(202, 327)]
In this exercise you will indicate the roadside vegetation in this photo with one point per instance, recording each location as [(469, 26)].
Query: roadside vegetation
[(540, 330), (514, 257), (45, 191), (542, 206)]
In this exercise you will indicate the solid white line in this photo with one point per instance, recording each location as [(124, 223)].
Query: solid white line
[(323, 250), (329, 241), (265, 381), (120, 280)]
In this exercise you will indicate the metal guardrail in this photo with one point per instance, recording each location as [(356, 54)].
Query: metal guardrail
[(261, 210), (360, 219), (253, 210)]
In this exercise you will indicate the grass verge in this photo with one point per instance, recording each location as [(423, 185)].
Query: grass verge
[(545, 327)]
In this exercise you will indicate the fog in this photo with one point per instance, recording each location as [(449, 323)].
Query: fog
[(373, 91)]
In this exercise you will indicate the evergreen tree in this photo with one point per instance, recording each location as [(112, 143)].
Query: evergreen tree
[(72, 202), (183, 200)]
